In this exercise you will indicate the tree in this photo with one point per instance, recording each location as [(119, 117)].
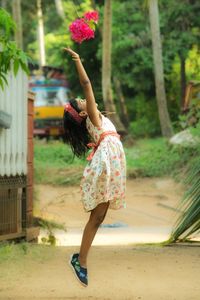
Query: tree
[(121, 99), (4, 4), (106, 66), (181, 33), (60, 9), (42, 55), (165, 122), (17, 16)]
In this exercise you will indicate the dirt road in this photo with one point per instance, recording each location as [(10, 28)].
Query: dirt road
[(150, 202), (116, 272)]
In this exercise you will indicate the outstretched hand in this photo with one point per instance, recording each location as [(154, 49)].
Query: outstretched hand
[(74, 55)]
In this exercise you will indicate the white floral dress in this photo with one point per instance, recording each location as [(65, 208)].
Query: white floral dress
[(104, 178)]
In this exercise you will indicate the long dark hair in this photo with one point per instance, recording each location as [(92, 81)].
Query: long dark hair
[(75, 134)]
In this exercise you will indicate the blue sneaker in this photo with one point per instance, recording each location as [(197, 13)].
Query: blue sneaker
[(80, 272)]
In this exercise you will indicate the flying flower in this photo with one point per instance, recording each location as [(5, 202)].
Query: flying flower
[(83, 28), (81, 31)]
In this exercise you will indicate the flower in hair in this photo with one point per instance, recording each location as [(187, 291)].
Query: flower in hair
[(83, 28)]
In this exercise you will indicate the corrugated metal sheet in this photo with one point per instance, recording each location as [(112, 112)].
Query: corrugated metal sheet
[(13, 141)]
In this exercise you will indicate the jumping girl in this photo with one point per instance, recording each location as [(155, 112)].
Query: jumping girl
[(103, 182)]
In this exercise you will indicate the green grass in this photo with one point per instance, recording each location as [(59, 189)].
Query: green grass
[(54, 164), (156, 157), (15, 253)]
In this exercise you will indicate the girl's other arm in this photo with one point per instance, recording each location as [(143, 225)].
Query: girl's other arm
[(92, 111)]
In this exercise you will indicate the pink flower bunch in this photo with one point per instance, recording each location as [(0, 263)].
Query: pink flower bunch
[(82, 29)]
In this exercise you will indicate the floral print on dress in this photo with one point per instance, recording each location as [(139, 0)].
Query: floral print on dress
[(104, 178)]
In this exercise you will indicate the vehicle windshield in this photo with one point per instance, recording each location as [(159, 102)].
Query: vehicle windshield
[(50, 96)]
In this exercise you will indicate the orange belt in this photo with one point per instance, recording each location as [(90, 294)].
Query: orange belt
[(95, 146)]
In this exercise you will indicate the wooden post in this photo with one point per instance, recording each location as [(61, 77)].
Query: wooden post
[(31, 231)]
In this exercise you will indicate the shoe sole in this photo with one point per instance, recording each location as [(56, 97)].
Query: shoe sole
[(72, 268)]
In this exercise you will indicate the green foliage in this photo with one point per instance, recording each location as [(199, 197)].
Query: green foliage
[(10, 54), (190, 118), (146, 122), (9, 251), (195, 131), (54, 153), (181, 27), (53, 164), (147, 158), (155, 157), (7, 25), (132, 57), (142, 127), (50, 226), (188, 222), (132, 61), (5, 251)]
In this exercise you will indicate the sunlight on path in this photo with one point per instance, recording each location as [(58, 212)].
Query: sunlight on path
[(112, 236)]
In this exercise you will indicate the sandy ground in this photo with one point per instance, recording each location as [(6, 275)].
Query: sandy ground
[(123, 272), (115, 273), (150, 202)]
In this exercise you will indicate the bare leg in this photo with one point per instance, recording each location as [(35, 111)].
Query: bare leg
[(96, 218)]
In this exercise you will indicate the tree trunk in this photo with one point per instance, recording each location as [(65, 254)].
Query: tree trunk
[(106, 67), (123, 110), (59, 8), (4, 4), (165, 122), (183, 81), (16, 11), (42, 56)]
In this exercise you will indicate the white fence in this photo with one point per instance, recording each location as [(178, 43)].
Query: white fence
[(13, 141)]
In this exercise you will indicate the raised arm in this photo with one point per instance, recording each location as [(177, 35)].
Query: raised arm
[(92, 110)]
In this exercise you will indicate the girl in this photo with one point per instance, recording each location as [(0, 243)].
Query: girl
[(103, 182)]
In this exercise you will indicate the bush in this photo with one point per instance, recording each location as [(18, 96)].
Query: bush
[(146, 122), (156, 157), (143, 128), (53, 163)]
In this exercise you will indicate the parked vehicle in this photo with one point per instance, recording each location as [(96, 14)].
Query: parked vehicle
[(51, 93)]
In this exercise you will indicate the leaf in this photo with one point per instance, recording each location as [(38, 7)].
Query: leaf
[(23, 57), (4, 78), (24, 67), (188, 222), (16, 66), (1, 83)]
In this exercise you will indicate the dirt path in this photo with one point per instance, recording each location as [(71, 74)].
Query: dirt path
[(149, 216), (150, 202), (128, 272), (115, 273)]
